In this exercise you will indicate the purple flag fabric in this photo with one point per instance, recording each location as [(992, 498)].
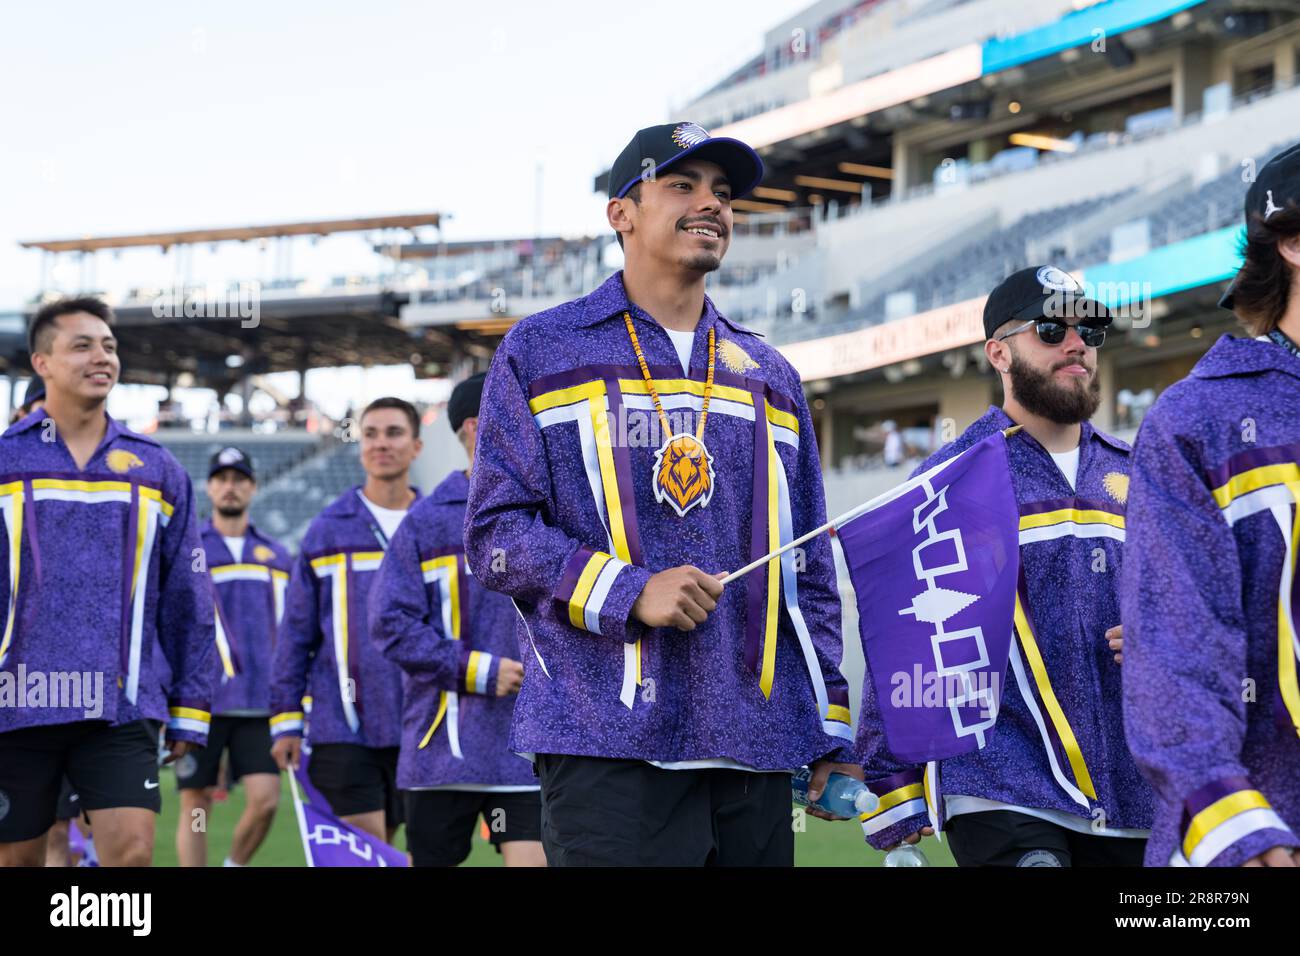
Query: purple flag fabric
[(327, 840), (934, 565)]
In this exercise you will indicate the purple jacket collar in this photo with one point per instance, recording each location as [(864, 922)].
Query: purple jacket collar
[(610, 300), (452, 490), (349, 503), (1231, 357), (209, 528), (1088, 432), (115, 428)]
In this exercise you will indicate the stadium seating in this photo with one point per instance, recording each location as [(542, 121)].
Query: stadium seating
[(298, 474), (286, 506)]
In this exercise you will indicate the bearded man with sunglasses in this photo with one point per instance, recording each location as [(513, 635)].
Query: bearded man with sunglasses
[(1056, 784)]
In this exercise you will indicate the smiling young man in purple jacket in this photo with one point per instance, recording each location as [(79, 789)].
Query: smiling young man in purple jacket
[(108, 619), (455, 642), (634, 445), (250, 573), (323, 647), (1055, 784), (1211, 600)]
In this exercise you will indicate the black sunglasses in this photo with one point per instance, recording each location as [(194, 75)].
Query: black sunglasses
[(1052, 332)]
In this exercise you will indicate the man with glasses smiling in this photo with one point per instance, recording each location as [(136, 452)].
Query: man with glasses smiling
[(1055, 785)]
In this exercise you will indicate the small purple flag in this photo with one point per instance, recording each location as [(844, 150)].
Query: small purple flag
[(934, 565), (326, 839)]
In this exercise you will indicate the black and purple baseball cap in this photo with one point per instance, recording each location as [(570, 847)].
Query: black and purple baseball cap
[(1276, 187), (659, 147)]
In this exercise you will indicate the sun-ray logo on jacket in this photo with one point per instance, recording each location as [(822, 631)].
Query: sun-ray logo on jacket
[(735, 358), (263, 553), (1116, 485), (121, 461), (683, 475), (687, 135)]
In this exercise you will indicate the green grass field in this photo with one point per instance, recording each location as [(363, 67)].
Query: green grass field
[(820, 844)]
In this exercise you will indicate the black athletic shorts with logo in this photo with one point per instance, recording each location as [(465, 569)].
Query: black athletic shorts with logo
[(356, 779), (69, 806), (440, 823), (248, 739), (598, 811), (1007, 838), (107, 766)]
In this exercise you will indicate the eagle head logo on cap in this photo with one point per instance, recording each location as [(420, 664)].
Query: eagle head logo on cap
[(686, 135), (121, 461), (1050, 277)]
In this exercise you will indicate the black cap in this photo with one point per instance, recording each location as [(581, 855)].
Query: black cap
[(464, 401), (231, 457), (1276, 187), (35, 391), (672, 142), (1041, 292)]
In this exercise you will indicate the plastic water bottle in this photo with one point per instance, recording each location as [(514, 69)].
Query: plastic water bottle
[(844, 796), (905, 855)]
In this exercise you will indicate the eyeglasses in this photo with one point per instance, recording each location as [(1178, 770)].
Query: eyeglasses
[(1052, 332)]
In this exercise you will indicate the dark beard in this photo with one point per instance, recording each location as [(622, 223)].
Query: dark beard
[(228, 512), (703, 262), (1042, 396)]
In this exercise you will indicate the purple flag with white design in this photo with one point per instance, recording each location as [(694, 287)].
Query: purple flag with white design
[(326, 839), (934, 565)]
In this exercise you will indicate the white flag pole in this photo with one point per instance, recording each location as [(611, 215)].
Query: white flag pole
[(302, 818), (874, 503)]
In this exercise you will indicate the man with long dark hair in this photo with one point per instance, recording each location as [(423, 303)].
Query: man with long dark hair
[(1211, 703)]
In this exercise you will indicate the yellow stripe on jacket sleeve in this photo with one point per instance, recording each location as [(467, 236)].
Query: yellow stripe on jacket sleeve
[(1219, 813), (912, 791), (582, 590), (1253, 480), (188, 718)]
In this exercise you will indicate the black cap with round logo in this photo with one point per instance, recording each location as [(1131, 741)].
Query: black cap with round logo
[(231, 457), (655, 148), (1041, 292), (1276, 187)]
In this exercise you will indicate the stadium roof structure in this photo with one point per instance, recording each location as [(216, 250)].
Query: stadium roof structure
[(166, 240), (839, 143), (216, 338), (530, 245)]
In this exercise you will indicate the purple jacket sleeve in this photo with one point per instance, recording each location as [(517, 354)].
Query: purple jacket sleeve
[(1185, 654), (296, 642), (899, 785), (816, 584), (406, 624), (511, 542), (185, 620)]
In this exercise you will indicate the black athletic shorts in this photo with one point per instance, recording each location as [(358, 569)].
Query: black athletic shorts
[(356, 779), (108, 767), (598, 811), (248, 739), (1007, 838), (69, 806), (440, 823)]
